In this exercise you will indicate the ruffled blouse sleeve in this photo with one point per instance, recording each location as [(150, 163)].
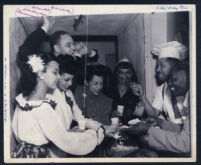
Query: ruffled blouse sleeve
[(71, 142)]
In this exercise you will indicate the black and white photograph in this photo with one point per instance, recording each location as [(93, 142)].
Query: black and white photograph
[(99, 83)]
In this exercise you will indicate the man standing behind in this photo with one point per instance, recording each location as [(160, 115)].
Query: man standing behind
[(61, 44)]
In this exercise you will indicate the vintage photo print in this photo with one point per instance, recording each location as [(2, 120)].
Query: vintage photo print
[(99, 83)]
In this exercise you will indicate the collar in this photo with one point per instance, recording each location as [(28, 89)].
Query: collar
[(28, 105), (89, 93)]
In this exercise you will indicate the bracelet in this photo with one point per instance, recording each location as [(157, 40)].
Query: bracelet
[(101, 128)]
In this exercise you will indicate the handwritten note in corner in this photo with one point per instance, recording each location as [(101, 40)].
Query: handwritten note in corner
[(38, 11), (171, 7)]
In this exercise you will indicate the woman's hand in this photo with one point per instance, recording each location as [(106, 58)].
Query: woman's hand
[(137, 129), (137, 89), (139, 109), (111, 130), (152, 121), (116, 113), (100, 135)]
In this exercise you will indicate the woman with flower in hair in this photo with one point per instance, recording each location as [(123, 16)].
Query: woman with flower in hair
[(36, 123)]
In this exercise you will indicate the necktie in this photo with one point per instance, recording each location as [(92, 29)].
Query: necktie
[(175, 107), (68, 100)]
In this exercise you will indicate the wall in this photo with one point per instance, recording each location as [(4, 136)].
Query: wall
[(144, 32), (161, 28), (104, 48), (131, 45), (155, 33), (17, 36), (178, 27)]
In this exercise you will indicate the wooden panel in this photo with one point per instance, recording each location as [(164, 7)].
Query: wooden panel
[(131, 45), (155, 33)]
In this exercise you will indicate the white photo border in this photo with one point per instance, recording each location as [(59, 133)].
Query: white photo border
[(10, 11)]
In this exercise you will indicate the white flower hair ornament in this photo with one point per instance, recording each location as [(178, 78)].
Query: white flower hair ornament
[(36, 63)]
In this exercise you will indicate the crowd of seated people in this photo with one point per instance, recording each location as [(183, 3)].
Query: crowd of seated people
[(68, 105)]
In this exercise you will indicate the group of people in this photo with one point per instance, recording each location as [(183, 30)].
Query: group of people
[(68, 87), (170, 109)]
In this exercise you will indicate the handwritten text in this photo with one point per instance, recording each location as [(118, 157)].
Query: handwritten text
[(173, 7), (35, 11)]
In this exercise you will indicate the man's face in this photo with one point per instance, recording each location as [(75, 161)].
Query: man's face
[(163, 69), (124, 75), (65, 81), (178, 83), (65, 45)]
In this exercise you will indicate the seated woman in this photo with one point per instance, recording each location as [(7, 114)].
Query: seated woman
[(35, 121), (91, 100), (96, 105), (124, 76)]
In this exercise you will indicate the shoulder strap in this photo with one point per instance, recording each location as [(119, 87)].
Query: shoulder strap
[(163, 92)]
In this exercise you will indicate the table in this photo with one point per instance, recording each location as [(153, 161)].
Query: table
[(122, 146)]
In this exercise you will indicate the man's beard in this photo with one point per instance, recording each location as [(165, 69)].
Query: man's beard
[(159, 81)]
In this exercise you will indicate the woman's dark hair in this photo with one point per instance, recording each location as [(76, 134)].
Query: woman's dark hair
[(93, 72), (124, 65), (28, 79), (54, 38), (66, 66)]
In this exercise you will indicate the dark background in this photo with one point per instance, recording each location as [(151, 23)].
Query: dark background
[(198, 57)]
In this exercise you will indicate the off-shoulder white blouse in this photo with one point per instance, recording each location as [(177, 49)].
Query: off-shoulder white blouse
[(42, 124)]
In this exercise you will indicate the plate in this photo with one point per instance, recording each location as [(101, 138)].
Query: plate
[(134, 121)]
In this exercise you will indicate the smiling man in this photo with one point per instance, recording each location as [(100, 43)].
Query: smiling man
[(165, 140), (164, 105), (173, 141)]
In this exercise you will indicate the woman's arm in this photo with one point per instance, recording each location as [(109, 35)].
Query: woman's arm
[(77, 114), (71, 142)]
